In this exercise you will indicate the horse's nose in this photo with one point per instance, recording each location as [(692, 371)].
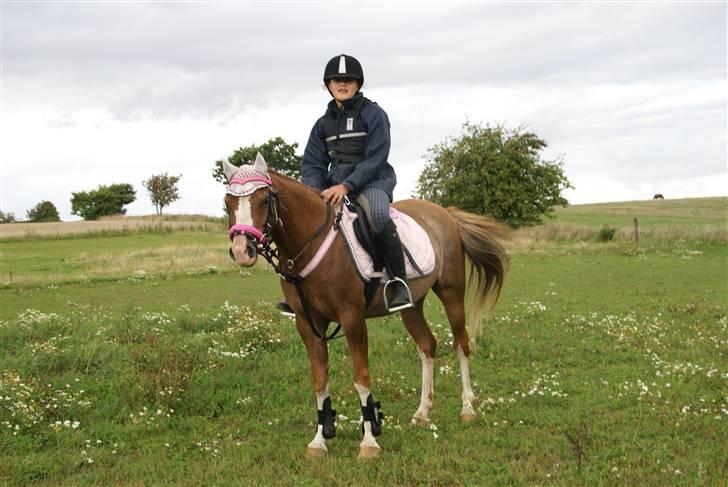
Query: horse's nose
[(251, 249), (243, 251)]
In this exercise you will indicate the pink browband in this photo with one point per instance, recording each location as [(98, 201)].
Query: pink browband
[(251, 178), (239, 228)]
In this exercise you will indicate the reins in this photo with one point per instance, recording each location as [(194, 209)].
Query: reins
[(291, 262)]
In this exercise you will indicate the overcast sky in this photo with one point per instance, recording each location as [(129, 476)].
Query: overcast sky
[(632, 95)]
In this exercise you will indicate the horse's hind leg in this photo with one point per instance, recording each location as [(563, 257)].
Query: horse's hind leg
[(318, 356), (453, 299), (414, 321)]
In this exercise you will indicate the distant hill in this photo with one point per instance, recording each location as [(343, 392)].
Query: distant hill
[(679, 211), (665, 220), (116, 224)]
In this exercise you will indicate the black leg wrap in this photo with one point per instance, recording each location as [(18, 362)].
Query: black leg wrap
[(372, 412), (326, 418)]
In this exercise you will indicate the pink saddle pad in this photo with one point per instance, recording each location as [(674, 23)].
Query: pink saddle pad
[(410, 232)]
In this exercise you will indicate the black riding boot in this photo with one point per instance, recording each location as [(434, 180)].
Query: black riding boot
[(390, 246), (285, 310)]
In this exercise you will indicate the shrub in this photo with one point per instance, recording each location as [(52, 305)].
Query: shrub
[(494, 171), (103, 201), (45, 211), (163, 190), (606, 234), (7, 217)]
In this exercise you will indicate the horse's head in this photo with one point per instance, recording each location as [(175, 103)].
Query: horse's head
[(251, 208)]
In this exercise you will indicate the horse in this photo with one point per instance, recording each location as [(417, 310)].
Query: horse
[(267, 207)]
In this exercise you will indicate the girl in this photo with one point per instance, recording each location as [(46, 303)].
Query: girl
[(346, 155)]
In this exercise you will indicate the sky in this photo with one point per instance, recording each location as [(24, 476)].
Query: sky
[(632, 95)]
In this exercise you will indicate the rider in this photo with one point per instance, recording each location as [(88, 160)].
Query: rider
[(346, 155)]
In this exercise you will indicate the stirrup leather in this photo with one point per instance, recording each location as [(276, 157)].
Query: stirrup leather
[(409, 304)]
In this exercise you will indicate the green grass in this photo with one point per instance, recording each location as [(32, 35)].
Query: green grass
[(199, 290), (603, 364), (45, 261), (659, 222)]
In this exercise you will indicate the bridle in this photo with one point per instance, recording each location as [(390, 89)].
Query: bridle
[(263, 239)]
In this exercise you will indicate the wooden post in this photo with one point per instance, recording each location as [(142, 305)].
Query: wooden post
[(636, 231)]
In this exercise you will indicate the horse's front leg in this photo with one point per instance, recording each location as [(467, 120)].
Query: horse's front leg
[(356, 336), (318, 356)]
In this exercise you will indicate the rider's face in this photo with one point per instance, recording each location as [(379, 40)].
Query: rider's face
[(343, 89)]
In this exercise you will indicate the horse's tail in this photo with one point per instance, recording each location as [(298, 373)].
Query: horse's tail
[(481, 237)]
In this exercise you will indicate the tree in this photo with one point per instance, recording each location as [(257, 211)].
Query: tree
[(162, 189), (45, 211), (496, 171), (278, 154), (8, 217), (104, 200)]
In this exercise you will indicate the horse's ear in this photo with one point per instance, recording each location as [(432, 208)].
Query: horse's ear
[(260, 164), (228, 169)]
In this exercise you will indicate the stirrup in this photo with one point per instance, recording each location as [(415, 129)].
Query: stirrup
[(407, 305), (285, 309)]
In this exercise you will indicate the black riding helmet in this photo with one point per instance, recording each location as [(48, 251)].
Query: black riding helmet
[(344, 66)]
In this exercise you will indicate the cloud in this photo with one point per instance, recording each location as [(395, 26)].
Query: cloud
[(95, 93), (204, 59)]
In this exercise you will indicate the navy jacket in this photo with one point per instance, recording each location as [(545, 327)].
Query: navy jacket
[(373, 171)]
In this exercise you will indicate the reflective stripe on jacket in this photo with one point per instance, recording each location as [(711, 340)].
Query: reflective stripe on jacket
[(344, 133)]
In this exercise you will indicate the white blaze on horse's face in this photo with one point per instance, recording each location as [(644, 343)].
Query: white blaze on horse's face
[(243, 249)]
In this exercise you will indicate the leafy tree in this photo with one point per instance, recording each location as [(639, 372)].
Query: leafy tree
[(278, 154), (8, 217), (102, 201), (162, 189), (45, 211), (496, 171)]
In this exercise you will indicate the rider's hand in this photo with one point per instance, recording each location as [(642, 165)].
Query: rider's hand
[(334, 194)]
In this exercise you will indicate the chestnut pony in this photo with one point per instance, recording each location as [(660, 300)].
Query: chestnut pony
[(265, 206)]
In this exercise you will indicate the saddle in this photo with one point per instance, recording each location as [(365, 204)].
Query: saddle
[(419, 254)]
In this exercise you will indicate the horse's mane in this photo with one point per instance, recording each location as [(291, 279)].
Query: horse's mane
[(292, 180)]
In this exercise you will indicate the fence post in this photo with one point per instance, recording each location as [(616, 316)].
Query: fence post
[(636, 231)]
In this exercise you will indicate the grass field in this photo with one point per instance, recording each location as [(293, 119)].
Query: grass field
[(144, 358)]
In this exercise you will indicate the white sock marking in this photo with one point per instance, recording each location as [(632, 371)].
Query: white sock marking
[(320, 398), (468, 395), (427, 394), (319, 441)]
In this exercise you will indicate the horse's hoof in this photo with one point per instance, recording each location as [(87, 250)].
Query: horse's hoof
[(315, 452), (419, 421), (366, 452), (466, 418)]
